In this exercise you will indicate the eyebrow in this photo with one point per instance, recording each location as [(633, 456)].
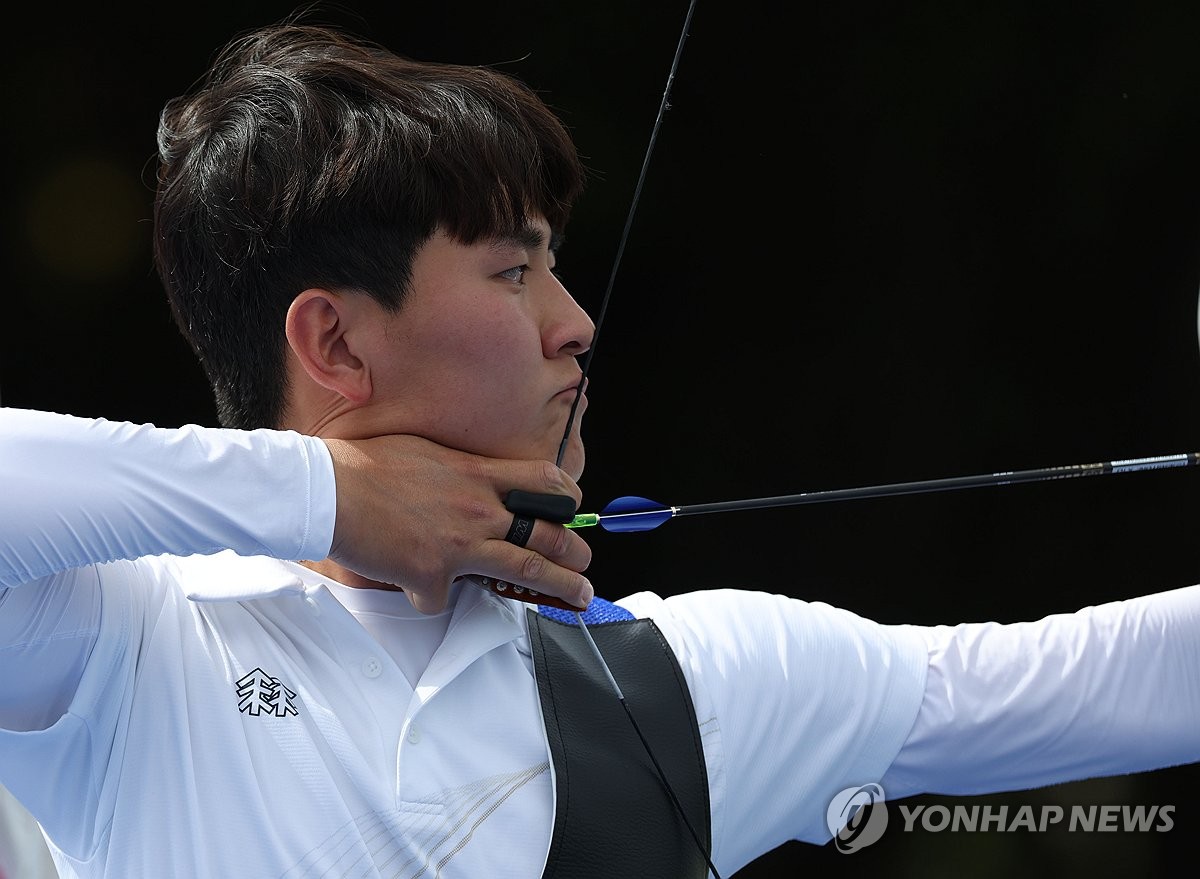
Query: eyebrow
[(528, 238)]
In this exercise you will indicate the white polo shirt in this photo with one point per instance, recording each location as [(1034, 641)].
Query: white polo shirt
[(216, 715), (232, 718)]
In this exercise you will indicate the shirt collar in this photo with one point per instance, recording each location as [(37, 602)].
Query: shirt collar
[(227, 576)]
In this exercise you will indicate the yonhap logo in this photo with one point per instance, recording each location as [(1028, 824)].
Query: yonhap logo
[(857, 817)]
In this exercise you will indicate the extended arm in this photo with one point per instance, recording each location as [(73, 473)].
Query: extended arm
[(797, 701), (1107, 690)]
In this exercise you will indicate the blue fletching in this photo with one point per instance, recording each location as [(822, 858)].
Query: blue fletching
[(633, 514)]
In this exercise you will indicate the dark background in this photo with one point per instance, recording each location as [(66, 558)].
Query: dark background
[(878, 242)]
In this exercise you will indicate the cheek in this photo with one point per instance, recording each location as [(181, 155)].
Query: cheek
[(459, 350), (481, 368), (494, 361)]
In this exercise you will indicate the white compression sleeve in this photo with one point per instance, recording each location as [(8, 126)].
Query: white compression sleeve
[(1107, 690), (77, 491)]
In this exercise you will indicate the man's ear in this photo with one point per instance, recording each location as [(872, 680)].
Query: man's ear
[(320, 331)]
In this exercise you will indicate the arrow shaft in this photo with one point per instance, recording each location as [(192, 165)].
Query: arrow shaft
[(1041, 474)]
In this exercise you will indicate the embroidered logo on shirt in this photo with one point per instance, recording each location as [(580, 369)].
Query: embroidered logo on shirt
[(259, 693)]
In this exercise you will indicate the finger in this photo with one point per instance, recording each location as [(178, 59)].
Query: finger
[(560, 545), (556, 546), (536, 478), (428, 601), (526, 575)]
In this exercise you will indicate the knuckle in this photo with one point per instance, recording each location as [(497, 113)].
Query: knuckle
[(550, 474), (560, 543), (570, 549), (425, 576), (459, 541), (533, 567), (478, 510)]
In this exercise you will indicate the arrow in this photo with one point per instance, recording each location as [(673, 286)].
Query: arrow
[(641, 514)]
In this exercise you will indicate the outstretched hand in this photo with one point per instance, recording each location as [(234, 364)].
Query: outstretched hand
[(420, 515)]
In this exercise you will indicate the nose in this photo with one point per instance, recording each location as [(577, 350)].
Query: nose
[(567, 328)]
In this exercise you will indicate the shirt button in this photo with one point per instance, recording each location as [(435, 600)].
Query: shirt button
[(414, 734), (372, 667)]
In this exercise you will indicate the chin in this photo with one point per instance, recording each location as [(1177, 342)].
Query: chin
[(573, 456), (573, 461)]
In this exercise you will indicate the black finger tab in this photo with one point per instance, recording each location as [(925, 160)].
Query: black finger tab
[(551, 507), (519, 531)]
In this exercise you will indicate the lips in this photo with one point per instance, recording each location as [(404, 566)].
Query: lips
[(572, 388)]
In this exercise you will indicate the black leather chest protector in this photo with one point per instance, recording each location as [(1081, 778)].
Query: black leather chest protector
[(613, 817)]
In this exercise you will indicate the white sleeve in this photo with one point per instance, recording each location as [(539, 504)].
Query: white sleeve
[(796, 701), (80, 491), (1108, 690)]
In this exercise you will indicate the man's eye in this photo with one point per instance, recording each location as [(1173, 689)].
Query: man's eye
[(516, 274)]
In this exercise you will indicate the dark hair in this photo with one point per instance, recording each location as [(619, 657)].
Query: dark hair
[(308, 157)]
